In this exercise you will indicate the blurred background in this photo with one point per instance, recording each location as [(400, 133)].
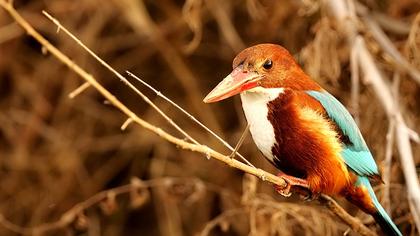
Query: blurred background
[(56, 152)]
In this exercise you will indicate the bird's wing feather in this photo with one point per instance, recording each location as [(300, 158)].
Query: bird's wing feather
[(356, 154)]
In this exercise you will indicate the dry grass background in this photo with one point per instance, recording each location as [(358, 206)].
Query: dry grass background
[(56, 152)]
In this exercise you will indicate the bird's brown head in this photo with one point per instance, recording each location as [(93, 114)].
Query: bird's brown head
[(262, 65)]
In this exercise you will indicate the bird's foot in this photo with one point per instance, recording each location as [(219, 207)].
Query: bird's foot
[(299, 185), (307, 195), (284, 191)]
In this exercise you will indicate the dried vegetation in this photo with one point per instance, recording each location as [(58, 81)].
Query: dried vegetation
[(67, 161)]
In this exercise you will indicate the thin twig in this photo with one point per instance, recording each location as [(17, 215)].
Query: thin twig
[(353, 222), (122, 78), (160, 94), (241, 140), (144, 97), (142, 23), (79, 90), (126, 123)]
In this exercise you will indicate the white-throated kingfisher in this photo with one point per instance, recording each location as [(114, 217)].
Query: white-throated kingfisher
[(302, 129)]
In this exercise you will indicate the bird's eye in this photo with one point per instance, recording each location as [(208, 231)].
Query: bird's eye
[(268, 64)]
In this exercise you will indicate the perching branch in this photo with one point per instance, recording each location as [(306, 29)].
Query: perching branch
[(265, 176)]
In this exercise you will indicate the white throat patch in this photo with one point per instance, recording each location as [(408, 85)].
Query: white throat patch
[(254, 103)]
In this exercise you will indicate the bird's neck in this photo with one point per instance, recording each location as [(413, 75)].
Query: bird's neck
[(255, 105), (260, 93)]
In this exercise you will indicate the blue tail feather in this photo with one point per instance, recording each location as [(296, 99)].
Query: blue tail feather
[(381, 217)]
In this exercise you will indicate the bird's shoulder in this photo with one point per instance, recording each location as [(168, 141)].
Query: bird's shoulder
[(302, 100)]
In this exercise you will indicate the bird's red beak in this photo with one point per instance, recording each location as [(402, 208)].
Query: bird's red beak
[(236, 82)]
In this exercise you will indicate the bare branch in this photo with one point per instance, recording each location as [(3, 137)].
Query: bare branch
[(126, 123), (142, 23), (79, 90), (353, 222), (122, 78), (160, 94), (241, 140)]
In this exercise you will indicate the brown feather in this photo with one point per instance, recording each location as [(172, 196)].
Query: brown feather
[(359, 196), (305, 148)]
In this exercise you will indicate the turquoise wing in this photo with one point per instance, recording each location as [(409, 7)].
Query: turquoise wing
[(356, 154)]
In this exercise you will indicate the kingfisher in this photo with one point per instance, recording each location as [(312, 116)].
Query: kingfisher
[(303, 130)]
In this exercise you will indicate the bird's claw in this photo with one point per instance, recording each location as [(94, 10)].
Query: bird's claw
[(300, 186), (284, 191), (308, 196)]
